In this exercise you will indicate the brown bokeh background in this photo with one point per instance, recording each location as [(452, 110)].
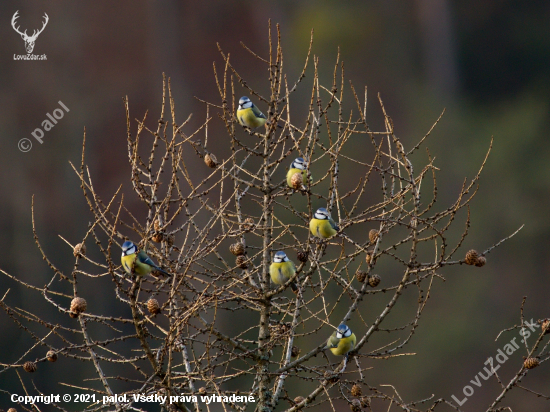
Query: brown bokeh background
[(487, 62)]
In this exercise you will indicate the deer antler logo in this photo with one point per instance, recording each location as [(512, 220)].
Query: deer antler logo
[(29, 40)]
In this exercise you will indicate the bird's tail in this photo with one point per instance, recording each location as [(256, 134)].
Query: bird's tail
[(162, 271)]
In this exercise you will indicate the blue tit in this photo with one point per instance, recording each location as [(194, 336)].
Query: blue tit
[(282, 269), (137, 262), (341, 341), (249, 115), (297, 166), (322, 224)]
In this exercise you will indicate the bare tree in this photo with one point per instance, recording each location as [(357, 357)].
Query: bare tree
[(218, 326)]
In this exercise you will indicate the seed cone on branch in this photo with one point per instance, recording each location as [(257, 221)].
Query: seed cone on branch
[(531, 363), (302, 255), (78, 305), (373, 235), (237, 249), (157, 237), (247, 224), (153, 306), (361, 276), (279, 329), (79, 250), (481, 261), (210, 160), (368, 258), (29, 367), (299, 399), (51, 356), (242, 262), (471, 257), (374, 280)]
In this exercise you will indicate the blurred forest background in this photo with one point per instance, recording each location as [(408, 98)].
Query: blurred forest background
[(486, 61)]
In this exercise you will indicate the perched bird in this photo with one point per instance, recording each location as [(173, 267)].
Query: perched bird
[(137, 262), (282, 269), (297, 166), (322, 224), (341, 341), (249, 115)]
